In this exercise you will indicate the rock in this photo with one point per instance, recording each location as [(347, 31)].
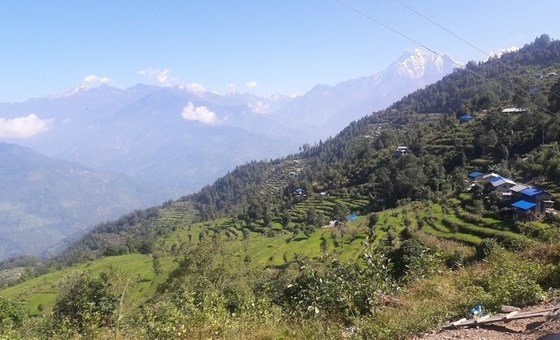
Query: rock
[(508, 309)]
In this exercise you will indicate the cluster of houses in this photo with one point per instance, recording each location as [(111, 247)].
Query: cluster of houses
[(523, 199)]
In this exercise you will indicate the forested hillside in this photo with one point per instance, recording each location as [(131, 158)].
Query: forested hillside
[(373, 233)]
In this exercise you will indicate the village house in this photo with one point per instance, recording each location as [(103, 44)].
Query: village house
[(515, 110), (523, 207), (501, 185), (488, 177), (541, 198), (474, 176), (401, 150), (466, 118)]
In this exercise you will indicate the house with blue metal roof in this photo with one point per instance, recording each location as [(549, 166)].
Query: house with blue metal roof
[(524, 207), (465, 118), (501, 185), (473, 176)]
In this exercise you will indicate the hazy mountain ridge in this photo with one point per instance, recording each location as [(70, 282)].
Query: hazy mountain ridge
[(180, 138), (332, 107), (44, 201)]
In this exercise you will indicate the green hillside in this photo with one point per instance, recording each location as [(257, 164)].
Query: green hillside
[(353, 237), (47, 204)]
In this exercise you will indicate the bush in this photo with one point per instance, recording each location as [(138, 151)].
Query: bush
[(11, 314), (485, 247), (513, 280), (86, 300)]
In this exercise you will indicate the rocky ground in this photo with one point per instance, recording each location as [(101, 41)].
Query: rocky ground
[(542, 328)]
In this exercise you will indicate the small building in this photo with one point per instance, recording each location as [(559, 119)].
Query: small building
[(402, 150), (515, 110), (535, 195), (502, 185), (523, 207), (299, 191), (488, 177), (465, 118), (474, 176), (516, 189)]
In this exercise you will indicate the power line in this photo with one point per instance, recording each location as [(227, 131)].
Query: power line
[(466, 42), (367, 16)]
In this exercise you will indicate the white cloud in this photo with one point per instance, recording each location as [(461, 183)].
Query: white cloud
[(259, 107), (93, 79), (195, 88), (252, 84), (23, 127), (231, 88), (201, 114), (162, 76)]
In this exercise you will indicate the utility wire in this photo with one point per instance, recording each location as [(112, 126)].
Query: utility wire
[(367, 16), (466, 42)]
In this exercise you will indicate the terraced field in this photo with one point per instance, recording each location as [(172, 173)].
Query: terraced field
[(444, 226)]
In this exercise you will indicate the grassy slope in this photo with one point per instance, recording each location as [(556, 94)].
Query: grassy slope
[(426, 220)]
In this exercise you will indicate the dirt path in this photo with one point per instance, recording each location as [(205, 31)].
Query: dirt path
[(536, 328)]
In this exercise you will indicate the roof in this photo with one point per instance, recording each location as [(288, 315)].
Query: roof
[(514, 110), (531, 192), (490, 175), (465, 117), (518, 188), (523, 205), (475, 174), (352, 217), (501, 181)]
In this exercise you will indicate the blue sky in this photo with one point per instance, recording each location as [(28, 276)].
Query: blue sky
[(284, 46)]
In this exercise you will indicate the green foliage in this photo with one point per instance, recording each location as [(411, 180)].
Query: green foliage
[(413, 261), (513, 282), (87, 299), (11, 315), (486, 247)]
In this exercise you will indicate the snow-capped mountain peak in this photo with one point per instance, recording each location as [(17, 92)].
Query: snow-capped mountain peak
[(419, 64)]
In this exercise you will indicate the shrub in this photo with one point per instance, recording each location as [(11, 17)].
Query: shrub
[(485, 247), (86, 300), (11, 314)]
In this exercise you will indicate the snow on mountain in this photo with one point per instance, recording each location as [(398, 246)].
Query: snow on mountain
[(421, 64), (124, 129), (498, 53), (329, 108)]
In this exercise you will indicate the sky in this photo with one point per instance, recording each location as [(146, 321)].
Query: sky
[(261, 46)]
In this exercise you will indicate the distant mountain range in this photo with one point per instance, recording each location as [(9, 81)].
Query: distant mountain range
[(177, 139), (184, 138), (330, 108), (45, 204)]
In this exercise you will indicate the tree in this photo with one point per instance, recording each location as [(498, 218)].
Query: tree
[(286, 219), (340, 212), (311, 217), (86, 300), (156, 264), (554, 98)]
